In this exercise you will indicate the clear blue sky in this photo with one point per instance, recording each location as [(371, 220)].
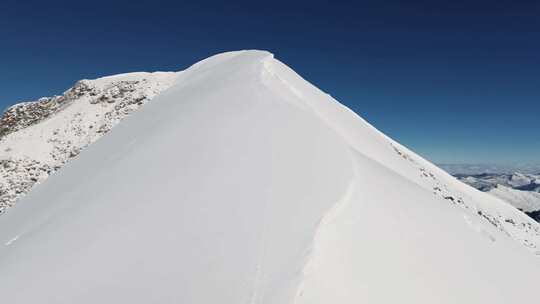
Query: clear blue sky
[(457, 81)]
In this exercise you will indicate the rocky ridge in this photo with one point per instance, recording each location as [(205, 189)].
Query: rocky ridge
[(37, 138)]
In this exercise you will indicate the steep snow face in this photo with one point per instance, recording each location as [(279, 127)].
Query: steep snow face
[(38, 138), (243, 183), (367, 140)]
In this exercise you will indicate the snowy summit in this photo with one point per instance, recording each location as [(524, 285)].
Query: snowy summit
[(240, 182)]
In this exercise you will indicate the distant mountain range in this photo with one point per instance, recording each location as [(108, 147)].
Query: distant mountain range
[(519, 189), (470, 169)]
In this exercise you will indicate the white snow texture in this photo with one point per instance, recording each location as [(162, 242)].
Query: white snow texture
[(243, 183)]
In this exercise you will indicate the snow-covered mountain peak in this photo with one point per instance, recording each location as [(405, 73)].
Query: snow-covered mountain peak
[(243, 183)]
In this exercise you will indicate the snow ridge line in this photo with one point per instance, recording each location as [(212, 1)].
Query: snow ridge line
[(328, 217), (278, 75), (267, 64)]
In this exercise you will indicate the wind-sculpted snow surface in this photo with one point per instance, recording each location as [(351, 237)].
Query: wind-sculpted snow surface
[(243, 183)]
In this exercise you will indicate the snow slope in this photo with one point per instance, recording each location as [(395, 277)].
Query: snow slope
[(243, 183)]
